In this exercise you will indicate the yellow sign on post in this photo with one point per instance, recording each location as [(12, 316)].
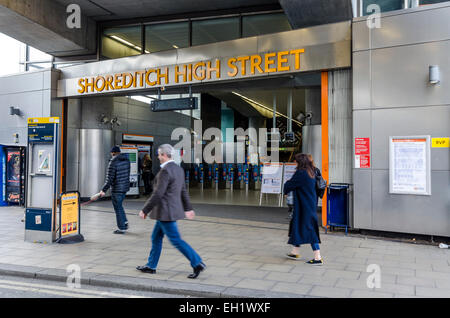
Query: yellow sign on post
[(440, 142), (69, 213)]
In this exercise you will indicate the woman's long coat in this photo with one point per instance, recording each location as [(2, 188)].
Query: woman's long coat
[(304, 228)]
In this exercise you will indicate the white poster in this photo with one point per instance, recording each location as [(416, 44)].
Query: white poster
[(289, 171), (410, 165), (272, 174), (44, 161)]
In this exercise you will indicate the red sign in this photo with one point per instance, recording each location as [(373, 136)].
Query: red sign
[(362, 146), (362, 152)]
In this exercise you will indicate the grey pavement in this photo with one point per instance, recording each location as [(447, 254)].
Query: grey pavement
[(245, 258)]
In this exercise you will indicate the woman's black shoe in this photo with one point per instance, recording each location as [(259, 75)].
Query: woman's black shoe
[(197, 269), (146, 269)]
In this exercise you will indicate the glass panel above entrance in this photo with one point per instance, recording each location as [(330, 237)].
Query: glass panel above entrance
[(166, 36), (264, 24), (215, 30), (121, 42)]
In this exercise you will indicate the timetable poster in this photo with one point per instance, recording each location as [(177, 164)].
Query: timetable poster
[(289, 171), (272, 175), (409, 162)]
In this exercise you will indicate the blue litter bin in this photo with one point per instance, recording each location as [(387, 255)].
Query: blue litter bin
[(338, 205)]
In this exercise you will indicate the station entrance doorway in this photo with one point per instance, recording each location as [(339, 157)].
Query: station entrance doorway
[(291, 105), (297, 105)]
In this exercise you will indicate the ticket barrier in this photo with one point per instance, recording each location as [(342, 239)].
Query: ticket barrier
[(239, 177), (208, 176), (254, 177), (230, 176)]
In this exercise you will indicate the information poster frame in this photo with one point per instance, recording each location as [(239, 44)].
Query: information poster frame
[(70, 218), (420, 146), (272, 180)]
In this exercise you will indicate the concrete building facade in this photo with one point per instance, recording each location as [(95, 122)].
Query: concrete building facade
[(374, 84)]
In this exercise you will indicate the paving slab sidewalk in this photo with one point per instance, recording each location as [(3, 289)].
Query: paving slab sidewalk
[(244, 259)]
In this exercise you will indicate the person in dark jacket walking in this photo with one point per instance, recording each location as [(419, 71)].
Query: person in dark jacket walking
[(169, 203), (147, 175), (304, 227), (118, 178)]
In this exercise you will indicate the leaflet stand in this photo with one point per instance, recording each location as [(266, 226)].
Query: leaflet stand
[(42, 164)]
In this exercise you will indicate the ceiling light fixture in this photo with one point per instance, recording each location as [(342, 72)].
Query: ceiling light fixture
[(265, 107)]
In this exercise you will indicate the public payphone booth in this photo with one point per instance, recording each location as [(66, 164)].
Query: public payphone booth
[(41, 172)]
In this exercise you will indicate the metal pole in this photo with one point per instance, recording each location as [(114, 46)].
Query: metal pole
[(289, 110), (274, 119)]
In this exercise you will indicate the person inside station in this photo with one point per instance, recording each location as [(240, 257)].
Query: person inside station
[(147, 174)]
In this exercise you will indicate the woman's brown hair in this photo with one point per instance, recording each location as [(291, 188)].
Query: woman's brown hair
[(304, 163)]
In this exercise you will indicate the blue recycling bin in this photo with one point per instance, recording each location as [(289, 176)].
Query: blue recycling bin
[(338, 205)]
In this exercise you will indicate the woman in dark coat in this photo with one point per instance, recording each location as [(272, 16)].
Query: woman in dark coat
[(304, 226)]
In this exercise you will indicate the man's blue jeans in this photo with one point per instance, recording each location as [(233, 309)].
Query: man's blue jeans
[(121, 218), (171, 230)]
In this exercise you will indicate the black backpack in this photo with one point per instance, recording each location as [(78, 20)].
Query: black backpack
[(321, 184)]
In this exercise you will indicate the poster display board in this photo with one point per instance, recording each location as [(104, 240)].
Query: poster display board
[(409, 165), (69, 218), (70, 210), (289, 170), (272, 175), (362, 152)]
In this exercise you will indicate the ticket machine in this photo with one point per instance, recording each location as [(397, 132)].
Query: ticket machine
[(42, 182)]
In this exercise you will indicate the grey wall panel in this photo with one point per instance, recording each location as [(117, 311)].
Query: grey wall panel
[(412, 28), (432, 120), (317, 35), (120, 109), (74, 113), (25, 82), (141, 113), (409, 213), (29, 103), (398, 70), (403, 103), (362, 124), (361, 36), (362, 198), (93, 108), (6, 136), (361, 80)]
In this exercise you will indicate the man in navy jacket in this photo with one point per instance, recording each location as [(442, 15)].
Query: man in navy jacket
[(118, 178)]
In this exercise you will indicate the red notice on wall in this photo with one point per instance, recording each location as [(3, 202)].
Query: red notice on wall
[(362, 152)]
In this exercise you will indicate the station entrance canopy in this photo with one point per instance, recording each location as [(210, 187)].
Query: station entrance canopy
[(311, 49)]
